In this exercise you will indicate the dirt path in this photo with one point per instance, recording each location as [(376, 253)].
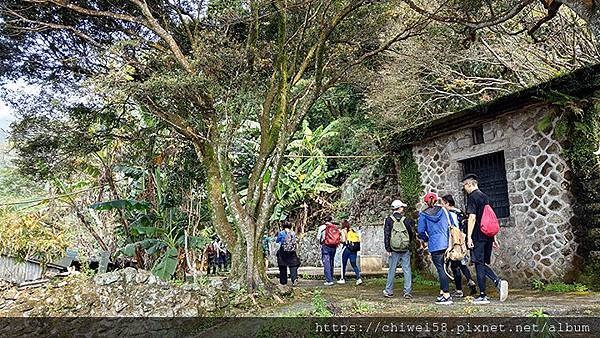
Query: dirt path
[(367, 300)]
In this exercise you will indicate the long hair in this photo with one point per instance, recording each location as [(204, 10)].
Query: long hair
[(345, 225)]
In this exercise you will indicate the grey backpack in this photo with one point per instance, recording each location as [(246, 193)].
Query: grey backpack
[(399, 241), (289, 243)]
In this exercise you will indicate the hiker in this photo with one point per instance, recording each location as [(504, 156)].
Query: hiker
[(223, 255), (351, 241), (398, 234), (218, 256), (433, 229), (286, 255), (211, 254), (459, 268), (478, 206), (329, 236), (266, 240)]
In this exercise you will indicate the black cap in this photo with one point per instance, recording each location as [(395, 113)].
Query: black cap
[(469, 177)]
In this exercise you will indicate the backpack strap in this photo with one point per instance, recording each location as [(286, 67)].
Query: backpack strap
[(450, 224)]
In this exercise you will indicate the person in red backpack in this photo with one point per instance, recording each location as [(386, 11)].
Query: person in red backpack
[(480, 243), (329, 236)]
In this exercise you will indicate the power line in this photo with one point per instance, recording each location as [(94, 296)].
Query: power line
[(49, 198), (337, 156)]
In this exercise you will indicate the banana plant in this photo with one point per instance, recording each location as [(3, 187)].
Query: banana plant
[(158, 228), (304, 177)]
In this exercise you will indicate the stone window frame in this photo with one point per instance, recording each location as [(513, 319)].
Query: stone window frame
[(478, 135)]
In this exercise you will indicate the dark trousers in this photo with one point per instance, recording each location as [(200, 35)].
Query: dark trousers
[(438, 260), (212, 265), (484, 271), (283, 278), (459, 270), (482, 253), (220, 262), (225, 261), (327, 256), (348, 255)]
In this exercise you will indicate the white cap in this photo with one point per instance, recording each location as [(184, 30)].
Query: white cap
[(398, 204)]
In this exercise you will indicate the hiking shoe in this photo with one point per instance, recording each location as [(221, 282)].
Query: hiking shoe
[(481, 300), (359, 281), (387, 295), (408, 296), (458, 294), (328, 283), (503, 290), (444, 301), (341, 281)]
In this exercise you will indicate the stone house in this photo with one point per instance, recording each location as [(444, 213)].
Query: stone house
[(521, 167)]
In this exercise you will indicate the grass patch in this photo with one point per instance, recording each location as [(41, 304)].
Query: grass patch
[(362, 308), (320, 305), (539, 285), (419, 280)]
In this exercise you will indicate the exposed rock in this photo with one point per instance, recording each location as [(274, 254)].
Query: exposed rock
[(11, 294), (129, 274), (107, 278), (142, 276)]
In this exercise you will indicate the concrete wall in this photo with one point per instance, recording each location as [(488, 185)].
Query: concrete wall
[(537, 241), (309, 249)]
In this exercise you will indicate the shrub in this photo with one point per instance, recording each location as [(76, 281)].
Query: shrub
[(32, 236)]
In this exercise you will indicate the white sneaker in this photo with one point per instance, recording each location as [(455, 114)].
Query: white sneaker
[(341, 281), (503, 290), (328, 283), (359, 281)]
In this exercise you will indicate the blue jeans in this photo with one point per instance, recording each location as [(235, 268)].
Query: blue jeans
[(438, 260), (394, 259), (327, 256), (348, 255), (483, 271)]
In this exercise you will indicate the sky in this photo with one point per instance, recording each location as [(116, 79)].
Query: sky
[(6, 117)]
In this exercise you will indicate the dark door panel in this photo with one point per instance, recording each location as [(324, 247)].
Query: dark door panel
[(491, 171)]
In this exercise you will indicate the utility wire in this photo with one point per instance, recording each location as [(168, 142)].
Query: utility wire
[(49, 198)]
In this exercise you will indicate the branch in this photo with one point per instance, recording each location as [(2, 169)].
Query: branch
[(50, 25), (90, 12), (155, 26), (324, 36), (175, 121), (473, 25), (553, 9)]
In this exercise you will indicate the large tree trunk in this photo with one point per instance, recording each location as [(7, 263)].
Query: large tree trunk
[(589, 11), (247, 266)]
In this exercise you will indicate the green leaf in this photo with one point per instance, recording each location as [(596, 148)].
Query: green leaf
[(325, 187), (545, 123), (121, 205), (141, 230), (167, 264), (128, 250)]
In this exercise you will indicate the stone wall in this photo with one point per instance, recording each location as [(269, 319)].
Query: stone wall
[(124, 293), (309, 250), (537, 240)]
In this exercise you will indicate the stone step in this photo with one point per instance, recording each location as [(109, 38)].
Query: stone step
[(315, 271)]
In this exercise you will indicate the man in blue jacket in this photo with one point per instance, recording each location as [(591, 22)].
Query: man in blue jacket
[(433, 228)]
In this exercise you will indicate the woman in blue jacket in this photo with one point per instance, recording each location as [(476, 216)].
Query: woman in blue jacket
[(433, 228)]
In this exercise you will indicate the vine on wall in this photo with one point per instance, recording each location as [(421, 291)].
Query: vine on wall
[(409, 178), (577, 127)]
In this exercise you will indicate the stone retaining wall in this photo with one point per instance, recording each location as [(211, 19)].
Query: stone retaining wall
[(124, 293), (538, 240)]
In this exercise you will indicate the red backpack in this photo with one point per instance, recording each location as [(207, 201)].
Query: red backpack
[(489, 222), (332, 235)]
